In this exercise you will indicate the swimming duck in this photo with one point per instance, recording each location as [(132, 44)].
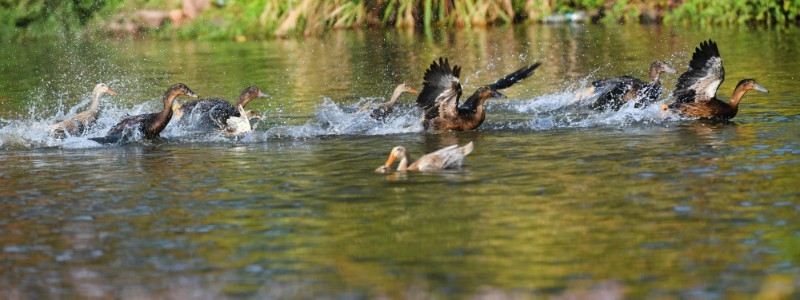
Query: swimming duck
[(696, 92), (149, 125), (381, 110), (446, 158), (442, 89), (215, 112), (612, 93), (78, 123)]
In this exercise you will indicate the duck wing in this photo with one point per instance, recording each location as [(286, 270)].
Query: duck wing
[(210, 111), (507, 81), (612, 87), (219, 114), (131, 122), (448, 157), (616, 81), (608, 93), (205, 105), (518, 75), (441, 90), (705, 73), (613, 93)]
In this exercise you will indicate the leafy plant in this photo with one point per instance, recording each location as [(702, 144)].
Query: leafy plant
[(232, 19)]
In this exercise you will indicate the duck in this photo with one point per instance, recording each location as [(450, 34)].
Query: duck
[(149, 125), (214, 112), (613, 93), (449, 157), (696, 90), (381, 110), (80, 122), (439, 98)]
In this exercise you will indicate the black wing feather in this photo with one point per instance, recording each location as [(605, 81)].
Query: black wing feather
[(211, 111), (515, 77), (507, 81), (438, 78), (705, 70)]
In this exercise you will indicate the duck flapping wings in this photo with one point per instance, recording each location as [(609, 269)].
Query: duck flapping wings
[(700, 82), (441, 90)]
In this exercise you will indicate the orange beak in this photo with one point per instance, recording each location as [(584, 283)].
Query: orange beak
[(111, 92), (391, 159), (413, 90)]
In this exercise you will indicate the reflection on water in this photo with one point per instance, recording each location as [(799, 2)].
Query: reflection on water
[(554, 202)]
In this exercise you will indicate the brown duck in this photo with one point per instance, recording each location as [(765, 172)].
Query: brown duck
[(80, 122), (696, 92), (446, 158), (381, 110), (148, 125), (440, 95), (613, 93), (214, 112)]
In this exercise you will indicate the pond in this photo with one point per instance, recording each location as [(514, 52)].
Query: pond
[(554, 202)]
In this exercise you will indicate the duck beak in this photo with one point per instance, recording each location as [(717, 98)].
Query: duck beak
[(758, 87), (263, 95), (670, 69), (111, 92), (189, 93), (252, 115), (413, 90), (387, 166), (382, 170), (389, 161), (497, 94)]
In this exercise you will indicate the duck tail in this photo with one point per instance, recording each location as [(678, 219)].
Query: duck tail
[(109, 139), (467, 149)]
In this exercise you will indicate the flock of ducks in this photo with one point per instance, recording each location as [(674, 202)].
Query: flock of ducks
[(439, 99)]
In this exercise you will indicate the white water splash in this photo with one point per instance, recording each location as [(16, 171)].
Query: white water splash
[(567, 110), (333, 119), (545, 112)]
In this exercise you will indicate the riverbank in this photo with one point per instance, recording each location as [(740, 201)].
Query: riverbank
[(265, 19)]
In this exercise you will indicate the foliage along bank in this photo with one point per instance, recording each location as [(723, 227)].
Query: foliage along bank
[(259, 19)]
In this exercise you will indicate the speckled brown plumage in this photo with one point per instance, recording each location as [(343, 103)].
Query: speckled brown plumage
[(696, 89), (439, 98)]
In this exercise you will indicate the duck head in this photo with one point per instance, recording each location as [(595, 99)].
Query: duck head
[(750, 84), (251, 93), (486, 92), (402, 88), (180, 89), (397, 152), (103, 88), (658, 67)]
